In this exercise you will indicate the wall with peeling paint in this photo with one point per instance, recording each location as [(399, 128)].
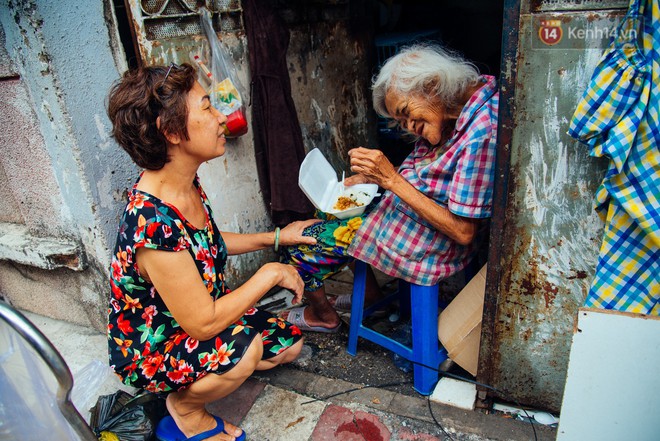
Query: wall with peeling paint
[(61, 169), (330, 71), (543, 263), (66, 178), (329, 64)]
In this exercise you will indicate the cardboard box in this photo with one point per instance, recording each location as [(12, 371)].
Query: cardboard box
[(459, 325)]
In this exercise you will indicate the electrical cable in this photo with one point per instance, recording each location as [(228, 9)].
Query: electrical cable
[(428, 401), (441, 374)]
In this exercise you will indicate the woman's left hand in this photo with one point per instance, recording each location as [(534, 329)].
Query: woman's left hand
[(374, 165), (292, 233)]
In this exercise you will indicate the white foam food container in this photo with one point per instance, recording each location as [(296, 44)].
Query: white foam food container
[(318, 180)]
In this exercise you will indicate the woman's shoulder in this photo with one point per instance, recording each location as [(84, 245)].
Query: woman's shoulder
[(153, 222)]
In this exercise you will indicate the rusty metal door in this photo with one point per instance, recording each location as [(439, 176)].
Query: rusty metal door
[(546, 236)]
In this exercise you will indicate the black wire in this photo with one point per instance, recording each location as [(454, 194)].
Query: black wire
[(428, 401), (348, 391), (460, 377), (440, 374)]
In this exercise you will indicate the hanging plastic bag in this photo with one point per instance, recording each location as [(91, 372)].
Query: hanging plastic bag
[(220, 74), (93, 380), (120, 416)]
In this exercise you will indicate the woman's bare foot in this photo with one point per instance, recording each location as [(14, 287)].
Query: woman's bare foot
[(196, 422)]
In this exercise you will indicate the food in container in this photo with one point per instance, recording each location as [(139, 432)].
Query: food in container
[(318, 180)]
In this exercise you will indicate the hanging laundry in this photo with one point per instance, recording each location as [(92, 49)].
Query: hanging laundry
[(278, 142), (619, 117)]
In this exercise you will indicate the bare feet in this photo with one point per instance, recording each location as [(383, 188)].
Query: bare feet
[(196, 422)]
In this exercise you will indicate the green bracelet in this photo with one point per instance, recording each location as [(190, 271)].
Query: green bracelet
[(277, 238)]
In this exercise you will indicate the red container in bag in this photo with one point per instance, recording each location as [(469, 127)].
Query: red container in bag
[(225, 89), (236, 124)]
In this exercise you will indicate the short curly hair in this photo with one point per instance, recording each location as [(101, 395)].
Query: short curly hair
[(135, 102)]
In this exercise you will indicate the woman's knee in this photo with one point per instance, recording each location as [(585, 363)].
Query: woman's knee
[(290, 354), (254, 352)]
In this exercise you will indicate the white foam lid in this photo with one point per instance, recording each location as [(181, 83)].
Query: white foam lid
[(318, 180)]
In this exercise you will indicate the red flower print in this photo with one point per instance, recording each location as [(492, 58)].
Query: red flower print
[(204, 255), (219, 356), (147, 349), (214, 251), (174, 340), (182, 244), (148, 315), (251, 311), (181, 372), (133, 366), (139, 231), (115, 305), (135, 201), (124, 325), (116, 267), (151, 228), (157, 387), (295, 330), (116, 292), (152, 364), (191, 344), (167, 230)]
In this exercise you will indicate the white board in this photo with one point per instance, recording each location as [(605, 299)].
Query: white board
[(612, 387)]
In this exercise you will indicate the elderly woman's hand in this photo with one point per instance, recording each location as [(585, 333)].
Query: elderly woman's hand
[(292, 233), (373, 165), (355, 180)]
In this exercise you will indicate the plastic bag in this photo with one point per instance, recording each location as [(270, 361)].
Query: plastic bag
[(94, 379), (220, 75), (120, 416)]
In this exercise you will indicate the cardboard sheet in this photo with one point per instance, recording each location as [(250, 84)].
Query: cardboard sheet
[(459, 325)]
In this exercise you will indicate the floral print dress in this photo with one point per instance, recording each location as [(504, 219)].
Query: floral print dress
[(147, 347)]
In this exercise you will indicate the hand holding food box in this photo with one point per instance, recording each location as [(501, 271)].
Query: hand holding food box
[(318, 180)]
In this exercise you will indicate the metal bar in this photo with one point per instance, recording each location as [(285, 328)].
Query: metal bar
[(51, 356), (506, 121)]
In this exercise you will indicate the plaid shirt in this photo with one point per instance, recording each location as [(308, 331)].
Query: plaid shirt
[(457, 175), (618, 118)]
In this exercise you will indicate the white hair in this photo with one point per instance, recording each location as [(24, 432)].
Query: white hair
[(424, 70)]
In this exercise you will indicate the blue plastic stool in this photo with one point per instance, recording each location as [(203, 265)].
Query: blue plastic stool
[(423, 304)]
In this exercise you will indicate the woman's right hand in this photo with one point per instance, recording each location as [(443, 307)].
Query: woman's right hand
[(374, 166), (287, 277)]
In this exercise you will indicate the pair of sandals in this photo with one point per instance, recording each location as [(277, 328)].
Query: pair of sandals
[(167, 430), (342, 305)]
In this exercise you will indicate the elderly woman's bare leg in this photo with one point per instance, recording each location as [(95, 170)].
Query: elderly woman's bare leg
[(187, 407)]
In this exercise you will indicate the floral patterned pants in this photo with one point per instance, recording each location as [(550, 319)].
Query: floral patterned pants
[(315, 263)]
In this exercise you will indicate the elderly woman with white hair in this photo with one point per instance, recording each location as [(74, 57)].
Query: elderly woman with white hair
[(424, 227)]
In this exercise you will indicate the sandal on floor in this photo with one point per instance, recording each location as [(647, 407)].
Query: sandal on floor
[(167, 430), (297, 317), (344, 302)]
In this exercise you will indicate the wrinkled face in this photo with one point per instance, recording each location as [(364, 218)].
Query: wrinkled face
[(206, 126), (417, 116)]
